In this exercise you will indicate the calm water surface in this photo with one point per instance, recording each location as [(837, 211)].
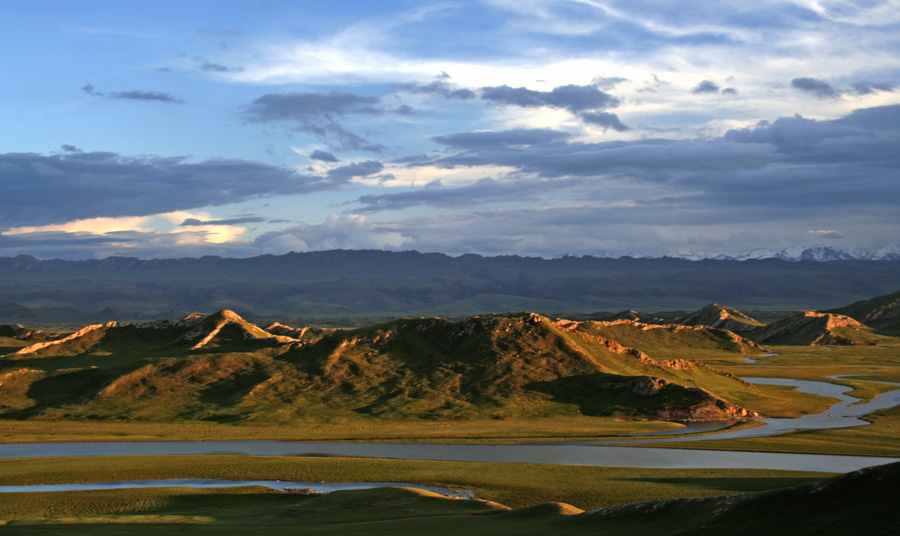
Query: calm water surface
[(283, 485)]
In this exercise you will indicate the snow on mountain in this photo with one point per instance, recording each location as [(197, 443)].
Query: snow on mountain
[(818, 253)]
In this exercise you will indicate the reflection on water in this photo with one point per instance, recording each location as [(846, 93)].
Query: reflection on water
[(283, 485)]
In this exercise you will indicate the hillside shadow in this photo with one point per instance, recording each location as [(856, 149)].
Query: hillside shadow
[(606, 394), (60, 390)]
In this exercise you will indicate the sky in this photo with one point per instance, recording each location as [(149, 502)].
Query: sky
[(499, 127)]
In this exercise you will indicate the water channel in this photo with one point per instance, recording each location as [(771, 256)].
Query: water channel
[(281, 485)]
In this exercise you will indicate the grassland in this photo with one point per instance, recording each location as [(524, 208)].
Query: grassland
[(557, 429), (249, 510), (513, 485)]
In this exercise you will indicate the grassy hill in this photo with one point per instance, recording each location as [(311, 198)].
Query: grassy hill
[(222, 368), (807, 328), (882, 312)]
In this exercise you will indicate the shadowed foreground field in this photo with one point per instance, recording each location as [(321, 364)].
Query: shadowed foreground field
[(857, 503)]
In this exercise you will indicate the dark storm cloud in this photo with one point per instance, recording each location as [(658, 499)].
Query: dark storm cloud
[(133, 95), (194, 222), (819, 88), (604, 119), (867, 88), (571, 97), (706, 86), (317, 113), (522, 136), (41, 190), (323, 156), (439, 87), (357, 169)]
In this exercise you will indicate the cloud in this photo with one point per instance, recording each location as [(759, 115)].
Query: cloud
[(819, 88), (40, 190), (829, 234), (604, 119), (316, 113), (706, 86), (350, 171), (481, 192), (134, 95), (323, 156), (515, 137), (653, 160), (302, 107), (70, 148), (791, 170), (439, 87), (867, 88), (337, 232), (729, 91), (608, 82), (570, 97), (194, 222), (211, 67)]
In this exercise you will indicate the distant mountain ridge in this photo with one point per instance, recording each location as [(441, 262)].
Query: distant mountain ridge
[(369, 283)]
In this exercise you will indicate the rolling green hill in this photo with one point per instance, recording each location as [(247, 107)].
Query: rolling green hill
[(882, 312), (222, 368)]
